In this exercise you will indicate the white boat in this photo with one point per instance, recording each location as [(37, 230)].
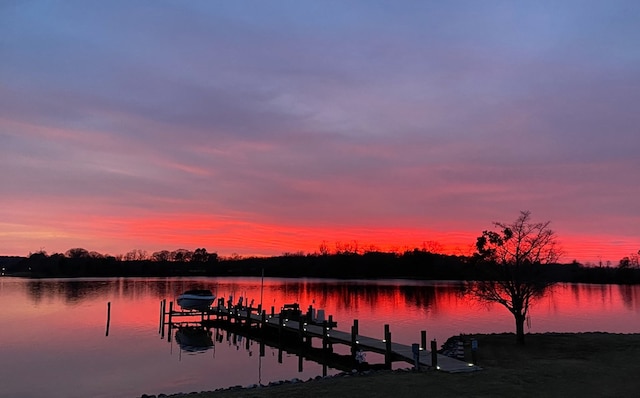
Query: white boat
[(197, 299)]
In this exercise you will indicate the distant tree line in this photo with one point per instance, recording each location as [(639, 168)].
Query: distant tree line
[(348, 262)]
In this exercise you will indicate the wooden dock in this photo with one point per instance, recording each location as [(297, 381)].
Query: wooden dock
[(292, 325)]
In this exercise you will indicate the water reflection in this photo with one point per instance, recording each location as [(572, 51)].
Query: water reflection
[(74, 312), (194, 338), (346, 295)]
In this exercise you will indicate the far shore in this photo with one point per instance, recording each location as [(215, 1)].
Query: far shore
[(549, 365)]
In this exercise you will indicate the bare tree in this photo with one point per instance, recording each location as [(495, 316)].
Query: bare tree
[(511, 261)]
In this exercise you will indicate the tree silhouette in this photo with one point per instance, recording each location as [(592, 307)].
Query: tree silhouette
[(510, 261)]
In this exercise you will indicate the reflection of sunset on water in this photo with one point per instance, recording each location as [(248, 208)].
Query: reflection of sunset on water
[(65, 318)]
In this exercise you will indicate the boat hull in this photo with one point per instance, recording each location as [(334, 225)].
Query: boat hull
[(199, 302)]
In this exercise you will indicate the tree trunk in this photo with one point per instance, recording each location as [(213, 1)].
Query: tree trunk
[(520, 318)]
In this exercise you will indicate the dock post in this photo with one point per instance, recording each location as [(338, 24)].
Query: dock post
[(423, 339), (387, 355), (354, 334), (353, 342), (415, 350), (161, 317), (300, 369), (108, 317), (264, 319), (170, 321), (163, 306), (325, 338), (330, 321), (301, 331), (387, 351), (273, 311), (434, 354)]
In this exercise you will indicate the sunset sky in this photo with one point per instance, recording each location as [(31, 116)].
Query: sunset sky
[(264, 127)]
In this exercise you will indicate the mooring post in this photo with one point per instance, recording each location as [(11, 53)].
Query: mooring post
[(280, 323), (330, 321), (387, 351), (415, 350), (434, 354), (108, 317), (354, 338), (325, 337), (353, 341), (301, 331), (163, 306), (264, 318), (273, 311), (423, 339), (161, 317), (170, 321)]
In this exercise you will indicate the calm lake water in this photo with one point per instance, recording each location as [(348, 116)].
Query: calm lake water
[(53, 341)]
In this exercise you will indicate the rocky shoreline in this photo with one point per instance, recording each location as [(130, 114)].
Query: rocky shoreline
[(295, 380)]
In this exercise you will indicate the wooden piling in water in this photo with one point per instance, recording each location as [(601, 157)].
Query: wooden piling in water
[(108, 317), (423, 339), (161, 318), (170, 320)]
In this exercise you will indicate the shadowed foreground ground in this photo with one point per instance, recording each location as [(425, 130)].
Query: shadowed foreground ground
[(550, 365)]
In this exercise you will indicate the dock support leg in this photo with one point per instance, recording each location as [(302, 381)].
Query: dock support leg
[(423, 339), (434, 354), (354, 338), (387, 351), (325, 338)]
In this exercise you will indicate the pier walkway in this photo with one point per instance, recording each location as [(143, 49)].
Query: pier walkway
[(303, 330)]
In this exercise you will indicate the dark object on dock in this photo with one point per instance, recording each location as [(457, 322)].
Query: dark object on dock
[(291, 312)]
